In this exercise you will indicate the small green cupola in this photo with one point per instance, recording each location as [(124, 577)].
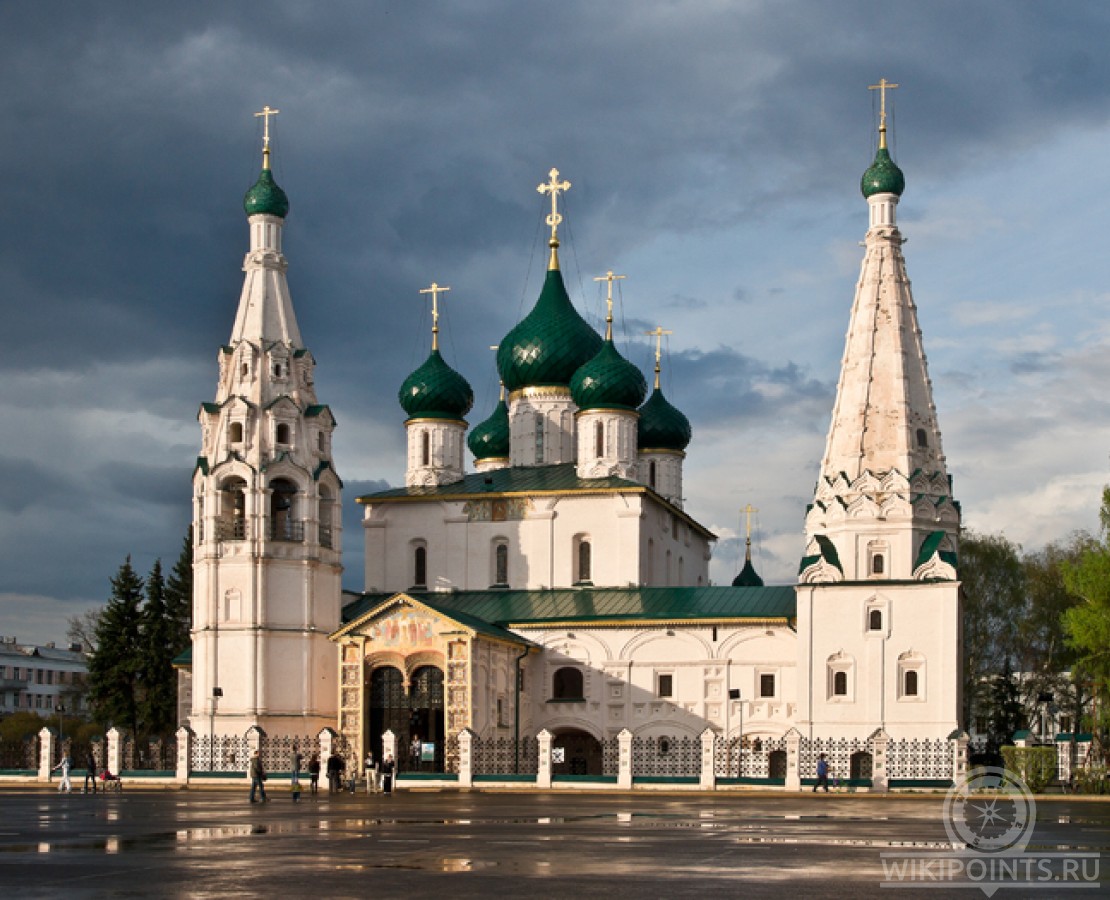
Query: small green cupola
[(883, 177), (662, 426), (435, 391), (608, 381), (490, 439), (548, 345), (266, 197)]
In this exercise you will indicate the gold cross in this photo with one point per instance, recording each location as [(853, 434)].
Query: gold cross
[(554, 187), (749, 509), (882, 87), (658, 332), (265, 116), (435, 290), (610, 277)]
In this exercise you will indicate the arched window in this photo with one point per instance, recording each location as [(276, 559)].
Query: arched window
[(501, 565), (425, 448), (420, 567), (584, 561), (875, 620), (877, 564), (910, 683), (283, 524), (599, 440), (650, 561), (840, 684), (324, 517), (322, 442), (235, 432), (922, 438), (567, 684), (283, 433), (651, 474), (232, 524)]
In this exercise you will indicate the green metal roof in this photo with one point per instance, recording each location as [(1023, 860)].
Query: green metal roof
[(266, 197), (184, 660), (608, 381), (435, 391), (662, 426), (490, 439), (883, 176), (592, 605)]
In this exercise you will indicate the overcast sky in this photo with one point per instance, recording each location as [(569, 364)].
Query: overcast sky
[(715, 151)]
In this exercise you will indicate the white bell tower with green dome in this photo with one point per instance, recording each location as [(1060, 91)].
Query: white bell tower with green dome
[(266, 511), (878, 596)]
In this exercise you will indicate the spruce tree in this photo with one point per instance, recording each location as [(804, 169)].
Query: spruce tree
[(158, 705), (115, 665), (179, 599)]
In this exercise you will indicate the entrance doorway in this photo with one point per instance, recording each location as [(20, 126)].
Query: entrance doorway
[(416, 719), (580, 752)]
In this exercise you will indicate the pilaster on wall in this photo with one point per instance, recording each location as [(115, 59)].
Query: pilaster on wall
[(959, 757), (880, 781), (185, 739), (389, 745), (466, 764)]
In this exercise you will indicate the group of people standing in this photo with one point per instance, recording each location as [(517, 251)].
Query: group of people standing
[(379, 777)]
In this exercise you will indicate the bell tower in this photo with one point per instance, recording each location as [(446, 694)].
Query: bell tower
[(266, 510)]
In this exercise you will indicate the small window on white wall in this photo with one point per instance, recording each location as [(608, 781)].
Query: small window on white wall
[(875, 620), (840, 671), (664, 683), (911, 677), (767, 684), (500, 564)]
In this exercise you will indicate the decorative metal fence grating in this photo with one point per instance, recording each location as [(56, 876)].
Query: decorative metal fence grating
[(222, 753), (156, 755), (610, 756), (926, 758), (749, 757), (847, 758), (276, 753), (505, 756), (20, 755), (666, 756)]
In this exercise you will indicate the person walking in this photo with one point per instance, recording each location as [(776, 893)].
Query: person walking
[(258, 777), (65, 766), (388, 767), (90, 770), (822, 774), (371, 767), (314, 772)]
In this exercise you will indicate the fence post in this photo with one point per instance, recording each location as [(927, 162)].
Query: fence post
[(708, 780), (624, 759), (184, 754), (114, 761), (543, 773), (46, 753), (793, 760), (880, 770), (959, 757), (466, 761)]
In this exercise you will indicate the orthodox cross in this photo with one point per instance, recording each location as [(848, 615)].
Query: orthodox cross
[(265, 116), (610, 277), (435, 290), (748, 510), (554, 187), (658, 333), (882, 87)]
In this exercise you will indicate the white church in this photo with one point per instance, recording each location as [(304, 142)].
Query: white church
[(555, 583)]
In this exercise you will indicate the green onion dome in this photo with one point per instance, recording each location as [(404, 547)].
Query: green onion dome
[(266, 198), (436, 391), (608, 381), (661, 426), (748, 576), (490, 439), (883, 177), (549, 344)]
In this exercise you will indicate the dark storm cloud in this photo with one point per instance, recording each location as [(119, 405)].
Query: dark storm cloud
[(410, 142)]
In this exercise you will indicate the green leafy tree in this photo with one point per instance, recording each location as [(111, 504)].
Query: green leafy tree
[(115, 666), (1088, 622), (158, 704), (179, 599), (1007, 712), (993, 586)]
